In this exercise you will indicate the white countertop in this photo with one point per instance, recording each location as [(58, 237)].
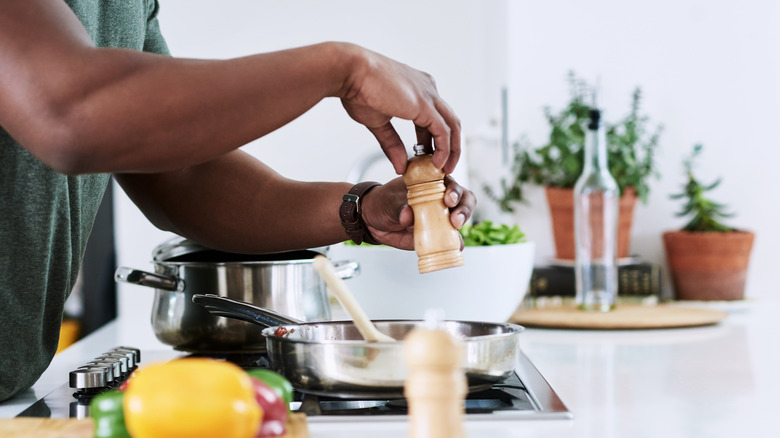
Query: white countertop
[(717, 381)]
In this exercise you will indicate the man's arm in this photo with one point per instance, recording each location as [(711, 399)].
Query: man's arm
[(212, 204), (84, 109)]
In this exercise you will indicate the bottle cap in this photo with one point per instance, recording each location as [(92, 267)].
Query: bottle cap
[(595, 119)]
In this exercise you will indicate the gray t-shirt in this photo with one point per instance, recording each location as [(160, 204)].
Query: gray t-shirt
[(46, 217)]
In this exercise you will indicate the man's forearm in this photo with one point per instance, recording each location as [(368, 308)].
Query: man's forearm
[(213, 204)]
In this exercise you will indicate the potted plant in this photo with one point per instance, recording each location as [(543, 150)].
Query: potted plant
[(707, 259), (557, 165)]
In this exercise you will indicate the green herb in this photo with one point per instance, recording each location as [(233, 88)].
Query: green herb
[(559, 163), (706, 213), (485, 233)]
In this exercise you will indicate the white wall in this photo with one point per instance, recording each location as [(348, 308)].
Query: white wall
[(709, 71)]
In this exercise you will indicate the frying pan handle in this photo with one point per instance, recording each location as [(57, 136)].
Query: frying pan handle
[(229, 308), (143, 278)]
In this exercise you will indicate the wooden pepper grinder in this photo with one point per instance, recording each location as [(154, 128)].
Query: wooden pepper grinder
[(436, 241), (436, 387)]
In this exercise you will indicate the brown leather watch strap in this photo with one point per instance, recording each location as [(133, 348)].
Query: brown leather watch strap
[(351, 214)]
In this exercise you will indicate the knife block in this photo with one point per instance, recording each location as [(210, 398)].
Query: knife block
[(436, 241)]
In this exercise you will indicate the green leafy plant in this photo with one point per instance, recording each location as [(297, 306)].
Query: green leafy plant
[(482, 234), (705, 214), (630, 149)]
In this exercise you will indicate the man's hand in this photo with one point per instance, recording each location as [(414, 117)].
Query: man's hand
[(379, 89), (390, 219)]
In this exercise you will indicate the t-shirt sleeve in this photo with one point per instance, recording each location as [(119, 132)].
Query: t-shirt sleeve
[(154, 41)]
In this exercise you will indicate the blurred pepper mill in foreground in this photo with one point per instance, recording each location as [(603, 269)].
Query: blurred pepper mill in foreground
[(436, 387), (436, 241)]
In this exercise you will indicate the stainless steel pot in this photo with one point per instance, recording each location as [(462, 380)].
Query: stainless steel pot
[(285, 282), (333, 359)]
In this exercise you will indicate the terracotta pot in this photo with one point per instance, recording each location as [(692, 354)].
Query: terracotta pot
[(561, 203), (707, 266)]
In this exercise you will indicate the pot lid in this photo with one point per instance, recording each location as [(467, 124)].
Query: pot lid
[(185, 250)]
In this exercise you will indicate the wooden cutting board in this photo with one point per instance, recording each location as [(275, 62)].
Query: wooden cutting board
[(297, 427), (624, 316), (45, 428)]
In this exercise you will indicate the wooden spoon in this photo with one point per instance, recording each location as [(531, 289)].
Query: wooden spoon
[(337, 286)]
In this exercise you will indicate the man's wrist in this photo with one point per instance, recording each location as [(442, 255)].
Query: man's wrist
[(349, 62), (351, 213)]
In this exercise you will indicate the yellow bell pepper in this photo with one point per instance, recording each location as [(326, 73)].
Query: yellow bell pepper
[(191, 398)]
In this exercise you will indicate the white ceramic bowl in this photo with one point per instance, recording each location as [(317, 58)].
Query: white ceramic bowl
[(489, 287)]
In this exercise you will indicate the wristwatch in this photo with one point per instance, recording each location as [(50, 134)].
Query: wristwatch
[(352, 216)]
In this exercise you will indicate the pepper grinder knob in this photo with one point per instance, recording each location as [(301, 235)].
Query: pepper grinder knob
[(436, 241), (436, 385)]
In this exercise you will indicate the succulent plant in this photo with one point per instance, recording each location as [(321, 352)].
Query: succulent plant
[(705, 214)]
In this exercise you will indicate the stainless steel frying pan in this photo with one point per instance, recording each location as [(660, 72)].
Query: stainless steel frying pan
[(332, 358)]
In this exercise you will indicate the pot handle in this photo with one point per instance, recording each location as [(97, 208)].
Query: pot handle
[(346, 269), (229, 308), (143, 278)]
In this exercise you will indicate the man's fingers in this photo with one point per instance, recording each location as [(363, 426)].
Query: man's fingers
[(392, 146), (453, 122), (424, 137), (441, 123), (460, 200), (438, 129)]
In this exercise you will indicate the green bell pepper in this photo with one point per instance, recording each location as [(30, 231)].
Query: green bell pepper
[(108, 415)]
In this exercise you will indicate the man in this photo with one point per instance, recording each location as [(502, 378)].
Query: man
[(86, 90)]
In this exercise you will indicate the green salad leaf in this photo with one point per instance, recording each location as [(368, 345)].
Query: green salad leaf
[(485, 234)]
